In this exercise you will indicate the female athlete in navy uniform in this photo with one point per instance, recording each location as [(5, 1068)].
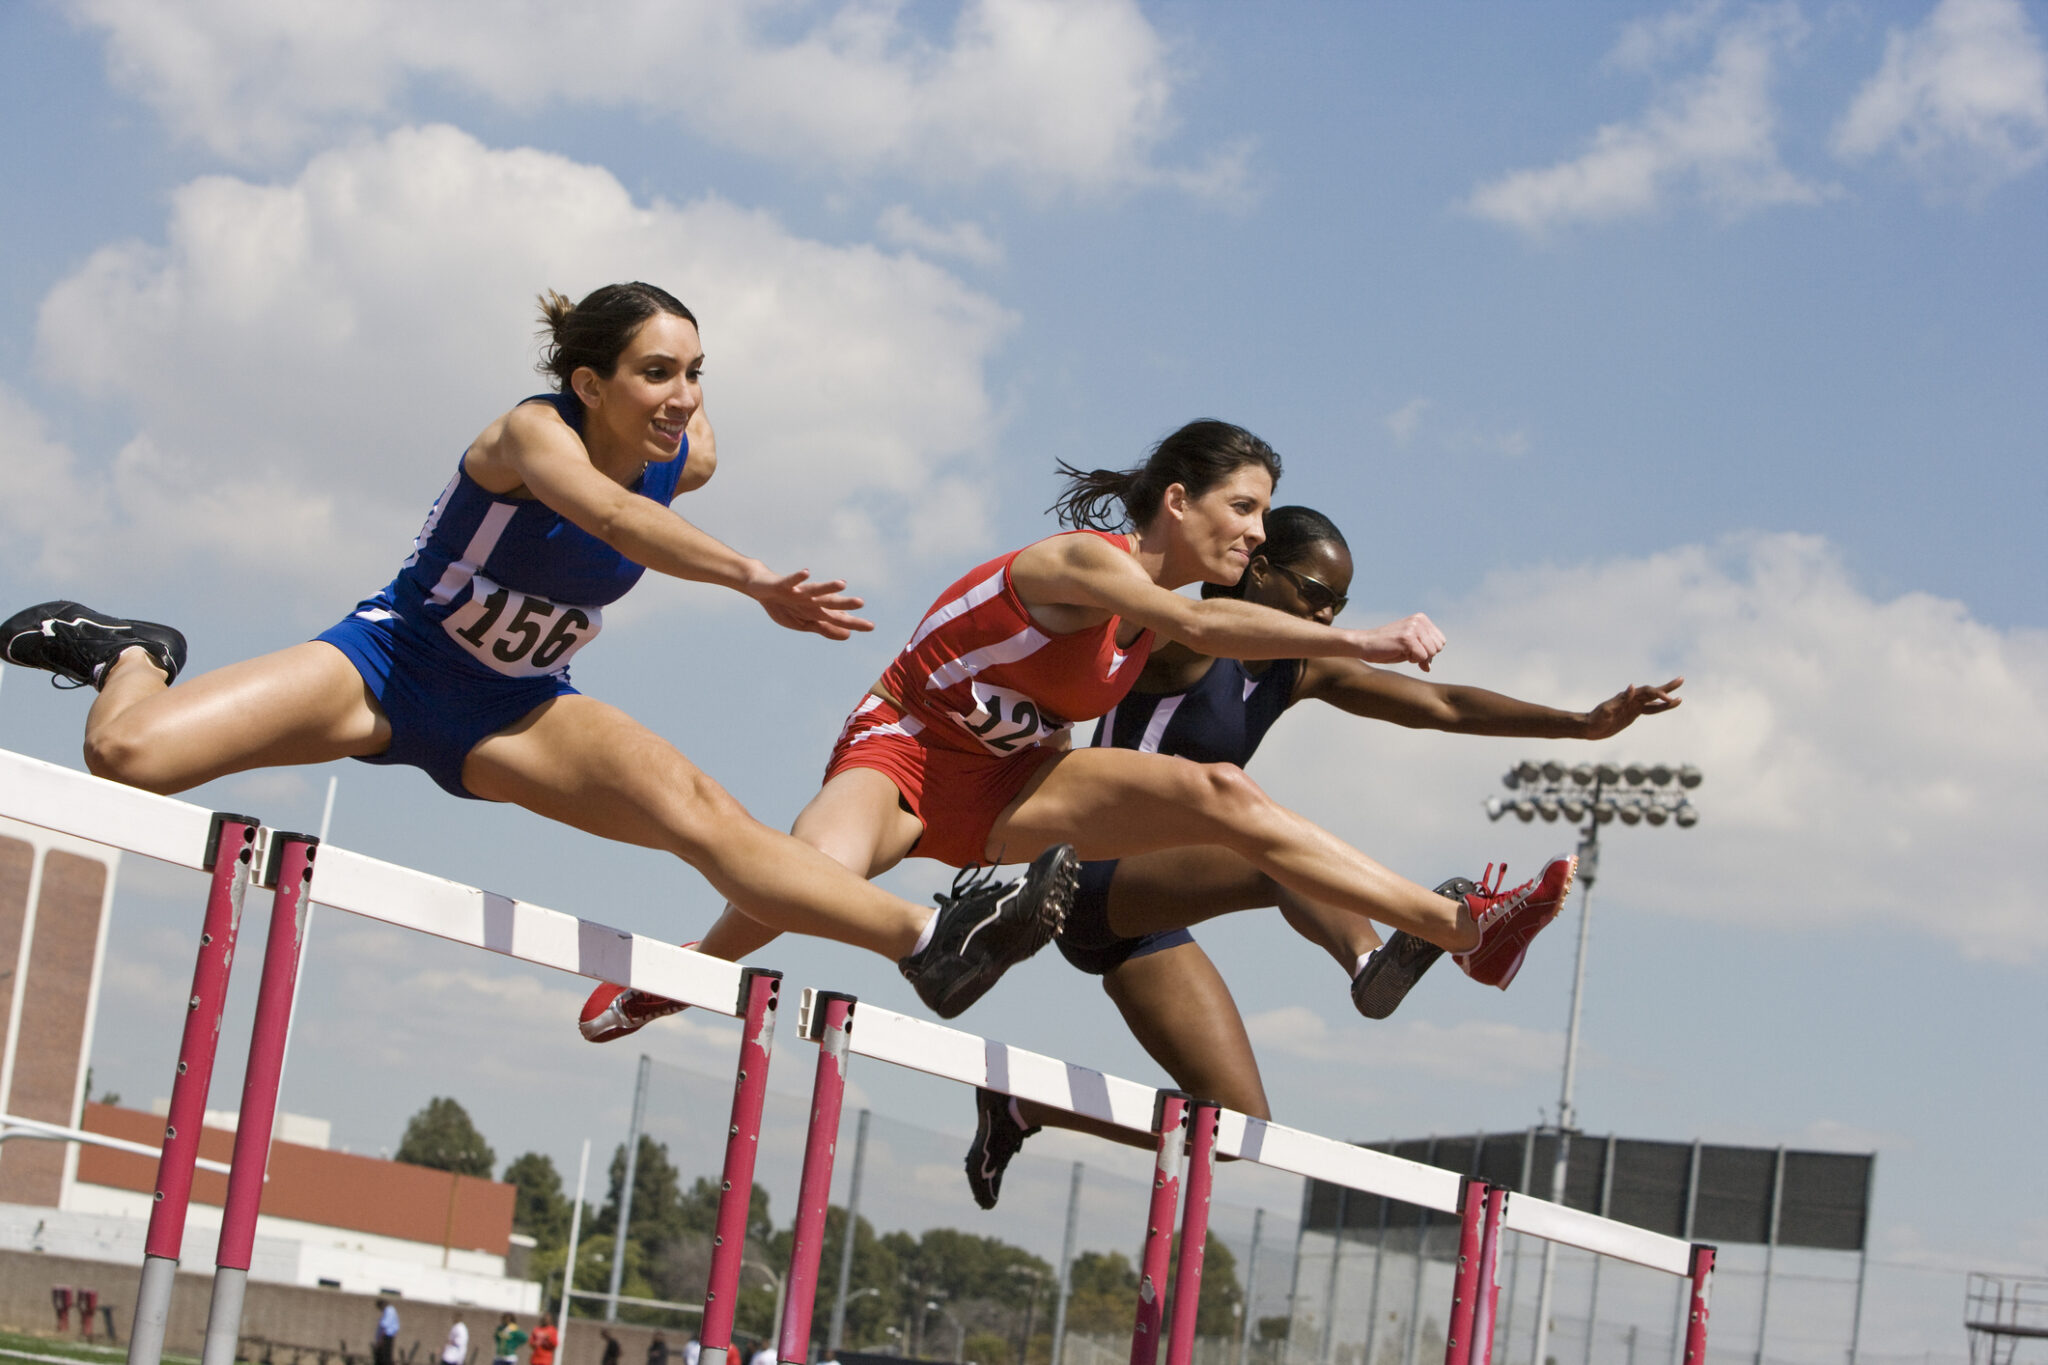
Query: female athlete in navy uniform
[(460, 666), (1129, 922), (958, 752)]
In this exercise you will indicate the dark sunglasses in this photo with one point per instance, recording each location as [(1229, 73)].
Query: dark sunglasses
[(1316, 595)]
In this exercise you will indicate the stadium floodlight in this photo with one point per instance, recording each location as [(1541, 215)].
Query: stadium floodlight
[(1598, 793)]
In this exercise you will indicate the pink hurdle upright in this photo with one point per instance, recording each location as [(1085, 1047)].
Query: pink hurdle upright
[(231, 842)]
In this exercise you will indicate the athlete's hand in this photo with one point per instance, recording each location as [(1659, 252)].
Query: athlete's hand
[(1619, 711), (1411, 640), (795, 602)]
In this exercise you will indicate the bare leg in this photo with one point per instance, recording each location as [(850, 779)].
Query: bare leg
[(1177, 887), (1114, 803), (593, 767), (1180, 1011), (305, 704)]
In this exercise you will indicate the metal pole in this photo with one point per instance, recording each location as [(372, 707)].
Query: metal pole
[(1059, 1312), (625, 1223), (1379, 1260), (1589, 869), (234, 838), (1507, 1324), (1329, 1342), (1606, 1200), (759, 991), (1763, 1315), (569, 1267), (837, 1331), (1203, 1119), (831, 1019), (1421, 1268), (1692, 1204), (1702, 1286), (1465, 1289), (1308, 1190), (1862, 1262), (291, 873), (306, 936), (1251, 1285), (1168, 1122)]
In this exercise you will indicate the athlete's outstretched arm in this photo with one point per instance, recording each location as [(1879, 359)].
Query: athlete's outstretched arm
[(533, 445), (1363, 690), (1084, 572)]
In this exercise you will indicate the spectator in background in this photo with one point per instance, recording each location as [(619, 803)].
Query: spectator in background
[(540, 1347), (612, 1349), (456, 1350), (764, 1354), (384, 1343), (657, 1351), (506, 1341), (690, 1349)]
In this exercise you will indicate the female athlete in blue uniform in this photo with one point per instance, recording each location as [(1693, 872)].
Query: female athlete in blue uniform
[(460, 667), (1129, 922)]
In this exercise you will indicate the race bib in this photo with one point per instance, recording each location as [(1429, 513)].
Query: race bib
[(517, 635), (1005, 722)]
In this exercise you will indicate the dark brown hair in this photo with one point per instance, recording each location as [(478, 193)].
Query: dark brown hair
[(1197, 457), (595, 331)]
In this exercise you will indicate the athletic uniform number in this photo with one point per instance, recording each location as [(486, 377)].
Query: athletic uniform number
[(1004, 732), (518, 635)]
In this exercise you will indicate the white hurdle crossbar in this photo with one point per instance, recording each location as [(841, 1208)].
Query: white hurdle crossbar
[(843, 1031), (71, 802)]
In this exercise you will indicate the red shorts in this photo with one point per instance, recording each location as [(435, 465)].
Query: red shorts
[(957, 795)]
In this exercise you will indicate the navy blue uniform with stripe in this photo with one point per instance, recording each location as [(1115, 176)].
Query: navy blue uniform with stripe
[(479, 626), (1220, 719)]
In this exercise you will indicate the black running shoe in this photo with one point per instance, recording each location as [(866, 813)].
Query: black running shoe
[(79, 644), (1392, 972), (997, 1138), (986, 927)]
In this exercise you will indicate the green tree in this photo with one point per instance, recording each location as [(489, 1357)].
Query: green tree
[(658, 1216), (1104, 1286), (540, 1209), (442, 1137)]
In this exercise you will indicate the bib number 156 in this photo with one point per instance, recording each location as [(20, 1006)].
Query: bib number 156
[(518, 635)]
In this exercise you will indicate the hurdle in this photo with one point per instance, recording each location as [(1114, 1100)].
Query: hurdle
[(1189, 1134), (238, 851)]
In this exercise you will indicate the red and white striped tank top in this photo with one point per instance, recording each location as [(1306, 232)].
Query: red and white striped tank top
[(984, 678)]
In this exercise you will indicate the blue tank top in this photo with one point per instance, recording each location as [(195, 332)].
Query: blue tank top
[(511, 584), (1220, 719)]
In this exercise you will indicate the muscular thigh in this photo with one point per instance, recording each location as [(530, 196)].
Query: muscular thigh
[(1114, 803), (1173, 888), (858, 820), (305, 704), (1182, 1014), (593, 767)]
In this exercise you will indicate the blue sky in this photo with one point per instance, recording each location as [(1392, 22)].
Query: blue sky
[(1624, 340)]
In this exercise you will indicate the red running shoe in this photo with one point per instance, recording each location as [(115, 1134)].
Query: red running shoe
[(612, 1012), (1508, 921)]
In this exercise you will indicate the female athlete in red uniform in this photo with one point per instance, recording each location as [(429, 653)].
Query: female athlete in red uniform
[(958, 752)]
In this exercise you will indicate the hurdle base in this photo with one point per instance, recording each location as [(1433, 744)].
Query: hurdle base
[(713, 1355), (224, 1317), (152, 1310)]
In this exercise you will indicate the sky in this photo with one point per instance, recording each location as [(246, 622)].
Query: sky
[(1624, 340)]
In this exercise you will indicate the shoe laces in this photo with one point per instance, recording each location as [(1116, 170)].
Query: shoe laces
[(1493, 890), (966, 882)]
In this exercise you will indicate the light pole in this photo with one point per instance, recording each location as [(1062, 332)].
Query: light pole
[(1598, 793), (781, 1288)]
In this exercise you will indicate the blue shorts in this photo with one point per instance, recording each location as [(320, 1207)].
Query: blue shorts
[(1089, 943), (439, 708)]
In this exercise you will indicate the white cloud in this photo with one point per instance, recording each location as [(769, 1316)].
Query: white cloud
[(1872, 766), (305, 362), (1056, 94), (1711, 134), (1962, 100), (1404, 420), (966, 241)]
